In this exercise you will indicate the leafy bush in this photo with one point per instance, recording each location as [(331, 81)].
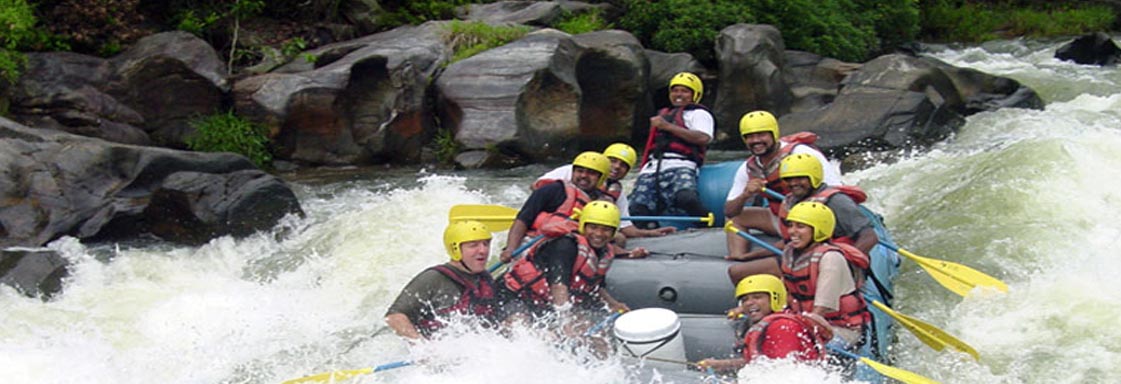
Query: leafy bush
[(95, 27), (19, 31), (445, 146), (402, 12), (845, 29), (226, 132), (577, 23), (468, 38), (946, 20)]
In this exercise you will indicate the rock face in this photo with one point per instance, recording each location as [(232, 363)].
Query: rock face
[(142, 96), (751, 78), (1092, 49), (539, 13), (362, 101), (522, 97), (58, 184), (612, 73), (898, 101)]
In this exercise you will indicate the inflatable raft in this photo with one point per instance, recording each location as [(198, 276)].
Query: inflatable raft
[(686, 273)]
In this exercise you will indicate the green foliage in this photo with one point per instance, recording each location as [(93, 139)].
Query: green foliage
[(197, 25), (468, 38), (402, 12), (16, 23), (95, 27), (846, 29), (446, 146), (293, 46), (226, 132), (575, 24), (946, 20)]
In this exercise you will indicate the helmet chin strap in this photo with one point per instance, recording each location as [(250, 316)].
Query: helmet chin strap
[(465, 266)]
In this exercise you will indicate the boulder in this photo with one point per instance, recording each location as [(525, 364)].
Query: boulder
[(522, 98), (612, 74), (539, 13), (169, 78), (751, 78), (663, 66), (65, 91), (898, 101), (58, 184), (1091, 49), (33, 272), (814, 80), (194, 207), (362, 101)]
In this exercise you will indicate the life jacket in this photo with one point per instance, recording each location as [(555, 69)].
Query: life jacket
[(800, 277), (769, 171), (588, 272), (665, 142), (816, 334), (575, 198), (822, 196), (477, 299)]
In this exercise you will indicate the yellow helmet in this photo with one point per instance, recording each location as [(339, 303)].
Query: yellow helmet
[(802, 164), (759, 121), (623, 152), (600, 212), (462, 232), (691, 81), (594, 161), (816, 215), (764, 283)]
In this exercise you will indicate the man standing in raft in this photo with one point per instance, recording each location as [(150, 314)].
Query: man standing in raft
[(675, 150)]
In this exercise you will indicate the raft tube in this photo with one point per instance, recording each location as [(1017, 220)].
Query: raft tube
[(687, 273)]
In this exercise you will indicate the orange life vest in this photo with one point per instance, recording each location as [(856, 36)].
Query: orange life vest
[(477, 299), (814, 334), (821, 196), (575, 198), (588, 272), (769, 171), (800, 277)]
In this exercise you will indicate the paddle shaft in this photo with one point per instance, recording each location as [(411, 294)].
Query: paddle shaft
[(396, 364), (753, 239), (603, 323), (517, 252)]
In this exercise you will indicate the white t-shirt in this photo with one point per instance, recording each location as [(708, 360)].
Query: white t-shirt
[(564, 172), (695, 120), (831, 172)]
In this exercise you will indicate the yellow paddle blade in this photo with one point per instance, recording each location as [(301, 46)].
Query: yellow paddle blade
[(956, 277), (496, 217), (327, 377), (930, 335), (905, 376)]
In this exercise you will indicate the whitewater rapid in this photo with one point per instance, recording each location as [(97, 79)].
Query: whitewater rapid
[(1030, 197)]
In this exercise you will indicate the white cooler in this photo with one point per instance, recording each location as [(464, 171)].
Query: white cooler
[(650, 332)]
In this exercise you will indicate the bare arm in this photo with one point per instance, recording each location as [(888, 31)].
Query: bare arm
[(866, 239), (614, 305), (402, 326), (513, 240)]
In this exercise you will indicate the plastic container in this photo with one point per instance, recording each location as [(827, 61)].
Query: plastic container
[(650, 332)]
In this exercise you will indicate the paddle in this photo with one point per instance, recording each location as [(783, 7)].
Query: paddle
[(518, 251), (930, 335), (327, 377), (500, 218), (886, 370), (603, 323), (958, 278)]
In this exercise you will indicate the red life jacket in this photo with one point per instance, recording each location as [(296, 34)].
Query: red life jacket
[(800, 276), (666, 142), (822, 196), (575, 198), (588, 272), (769, 171), (477, 300), (812, 335)]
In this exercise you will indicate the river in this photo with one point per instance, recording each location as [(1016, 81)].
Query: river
[(1030, 197)]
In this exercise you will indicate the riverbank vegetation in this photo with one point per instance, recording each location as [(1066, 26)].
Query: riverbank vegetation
[(245, 30)]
